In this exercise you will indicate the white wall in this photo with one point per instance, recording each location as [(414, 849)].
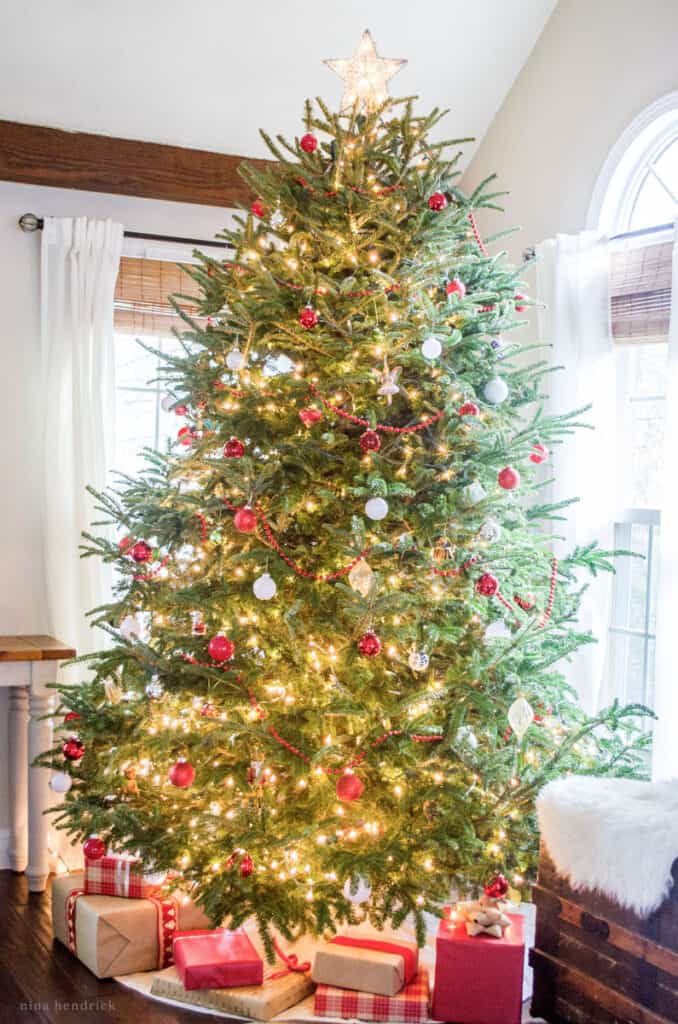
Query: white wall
[(597, 64), (22, 602)]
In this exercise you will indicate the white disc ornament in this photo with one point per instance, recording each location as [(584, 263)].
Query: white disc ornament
[(361, 577), (474, 492), (431, 347), (155, 689), (376, 509), (466, 736), (60, 782), (167, 403), (496, 391), (418, 661), (265, 587), (235, 360), (361, 894), (490, 531), (520, 717)]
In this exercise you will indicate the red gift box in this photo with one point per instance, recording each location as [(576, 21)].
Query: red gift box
[(409, 1005), (217, 959), (120, 875), (479, 980)]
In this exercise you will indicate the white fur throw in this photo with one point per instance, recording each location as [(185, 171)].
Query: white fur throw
[(618, 836)]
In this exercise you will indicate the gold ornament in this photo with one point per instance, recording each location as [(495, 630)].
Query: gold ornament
[(112, 691), (365, 75), (361, 577), (130, 786), (444, 549)]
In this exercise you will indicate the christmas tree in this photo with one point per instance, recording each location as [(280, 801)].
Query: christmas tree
[(331, 688)]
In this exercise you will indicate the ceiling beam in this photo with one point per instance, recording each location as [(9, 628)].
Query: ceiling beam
[(36, 155)]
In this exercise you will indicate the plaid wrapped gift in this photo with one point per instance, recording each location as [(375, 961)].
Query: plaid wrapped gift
[(120, 875), (409, 1005)]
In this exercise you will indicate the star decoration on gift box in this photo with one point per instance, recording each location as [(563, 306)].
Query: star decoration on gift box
[(365, 75)]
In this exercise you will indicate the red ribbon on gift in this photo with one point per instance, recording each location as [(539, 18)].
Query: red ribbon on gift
[(166, 911), (291, 962), (409, 956)]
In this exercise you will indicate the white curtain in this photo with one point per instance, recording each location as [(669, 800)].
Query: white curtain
[(572, 284), (665, 751), (79, 265)]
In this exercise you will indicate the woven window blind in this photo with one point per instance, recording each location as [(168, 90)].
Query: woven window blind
[(640, 293), (141, 297)]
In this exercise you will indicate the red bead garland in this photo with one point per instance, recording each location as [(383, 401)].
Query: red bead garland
[(385, 427)]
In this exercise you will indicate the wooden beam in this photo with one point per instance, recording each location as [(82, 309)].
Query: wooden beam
[(98, 163)]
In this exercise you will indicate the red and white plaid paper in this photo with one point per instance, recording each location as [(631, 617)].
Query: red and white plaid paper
[(410, 1005), (117, 875)]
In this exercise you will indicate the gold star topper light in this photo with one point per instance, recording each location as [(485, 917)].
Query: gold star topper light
[(365, 75)]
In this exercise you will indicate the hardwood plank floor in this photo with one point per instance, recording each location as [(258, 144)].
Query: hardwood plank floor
[(41, 983)]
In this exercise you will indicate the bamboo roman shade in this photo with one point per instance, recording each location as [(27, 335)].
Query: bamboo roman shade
[(141, 305), (640, 293)]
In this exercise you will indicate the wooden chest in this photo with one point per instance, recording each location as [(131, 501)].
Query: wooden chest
[(595, 963)]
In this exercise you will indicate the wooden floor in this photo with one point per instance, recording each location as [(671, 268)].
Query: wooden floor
[(41, 982)]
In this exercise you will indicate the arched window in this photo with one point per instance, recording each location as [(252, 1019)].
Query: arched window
[(635, 203)]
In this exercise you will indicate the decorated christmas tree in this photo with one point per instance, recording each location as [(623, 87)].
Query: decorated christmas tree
[(331, 687)]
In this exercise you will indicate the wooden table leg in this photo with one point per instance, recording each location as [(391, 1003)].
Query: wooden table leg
[(17, 722), (39, 793)]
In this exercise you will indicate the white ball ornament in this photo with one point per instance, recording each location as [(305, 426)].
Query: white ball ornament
[(496, 391), (474, 492), (431, 347), (265, 587), (155, 689), (235, 360), (490, 531), (167, 403), (418, 661), (60, 782), (376, 509)]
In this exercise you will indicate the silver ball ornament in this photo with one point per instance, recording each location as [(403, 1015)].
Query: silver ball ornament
[(431, 347), (235, 360), (496, 391), (376, 509), (60, 782), (418, 661)]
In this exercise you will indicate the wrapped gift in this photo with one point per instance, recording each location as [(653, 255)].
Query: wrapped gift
[(113, 936), (120, 875), (218, 959), (410, 1004), (369, 964), (479, 978), (279, 991)]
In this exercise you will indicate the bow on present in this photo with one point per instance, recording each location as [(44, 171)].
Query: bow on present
[(291, 962), (485, 917)]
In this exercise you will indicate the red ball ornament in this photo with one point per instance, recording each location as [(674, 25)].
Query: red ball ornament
[(308, 143), (220, 648), (185, 436), (94, 848), (456, 287), (497, 888), (73, 749), (142, 552), (310, 415), (369, 644), (180, 410), (246, 866), (370, 441), (124, 544), (487, 585), (258, 208), (540, 453), (208, 710), (234, 449), (72, 716), (520, 306), (508, 478), (469, 409), (181, 774), (437, 202), (245, 520), (308, 318), (349, 787)]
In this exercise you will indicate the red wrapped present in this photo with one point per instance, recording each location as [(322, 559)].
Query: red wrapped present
[(369, 964), (410, 1004), (217, 959), (120, 875), (479, 979)]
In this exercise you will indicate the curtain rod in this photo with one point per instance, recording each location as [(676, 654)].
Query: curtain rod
[(29, 222), (529, 254)]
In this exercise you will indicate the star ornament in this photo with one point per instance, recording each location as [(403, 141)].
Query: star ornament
[(365, 75)]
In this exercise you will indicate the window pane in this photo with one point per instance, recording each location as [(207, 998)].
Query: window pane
[(653, 205), (135, 427), (641, 383), (134, 366), (666, 167)]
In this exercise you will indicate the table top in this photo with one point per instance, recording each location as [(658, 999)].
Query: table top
[(34, 648)]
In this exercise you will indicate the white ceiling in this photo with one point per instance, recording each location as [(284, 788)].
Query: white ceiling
[(208, 73)]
